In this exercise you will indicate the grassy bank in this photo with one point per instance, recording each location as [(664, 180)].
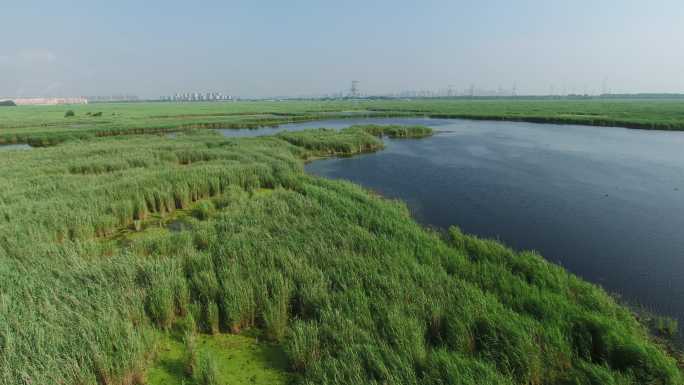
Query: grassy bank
[(49, 125), (659, 114), (94, 283), (394, 131)]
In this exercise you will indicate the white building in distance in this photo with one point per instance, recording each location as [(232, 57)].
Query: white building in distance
[(46, 101)]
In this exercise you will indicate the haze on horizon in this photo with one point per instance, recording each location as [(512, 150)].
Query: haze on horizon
[(275, 48)]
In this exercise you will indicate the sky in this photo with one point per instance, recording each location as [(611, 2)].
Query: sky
[(263, 48)]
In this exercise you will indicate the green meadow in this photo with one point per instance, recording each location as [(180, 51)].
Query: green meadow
[(50, 125), (130, 257)]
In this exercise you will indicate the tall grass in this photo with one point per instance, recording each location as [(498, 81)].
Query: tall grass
[(354, 289), (394, 131)]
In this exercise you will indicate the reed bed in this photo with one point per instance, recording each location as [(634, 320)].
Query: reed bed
[(394, 131), (347, 282)]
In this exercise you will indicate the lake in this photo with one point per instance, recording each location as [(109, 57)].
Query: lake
[(606, 203)]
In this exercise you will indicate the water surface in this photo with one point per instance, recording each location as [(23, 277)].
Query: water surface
[(606, 203), (4, 147)]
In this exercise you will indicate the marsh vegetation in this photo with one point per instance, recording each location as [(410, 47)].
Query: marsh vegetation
[(349, 286), (46, 126)]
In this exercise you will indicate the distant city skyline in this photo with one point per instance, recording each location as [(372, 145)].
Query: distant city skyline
[(305, 48), (196, 96)]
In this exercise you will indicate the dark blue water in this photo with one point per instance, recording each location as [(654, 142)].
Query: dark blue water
[(606, 203)]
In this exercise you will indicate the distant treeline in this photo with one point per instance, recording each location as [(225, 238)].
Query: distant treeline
[(7, 103)]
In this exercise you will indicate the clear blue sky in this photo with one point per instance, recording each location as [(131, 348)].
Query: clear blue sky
[(266, 48)]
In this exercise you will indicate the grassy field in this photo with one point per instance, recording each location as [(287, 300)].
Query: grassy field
[(199, 259), (643, 114), (49, 125)]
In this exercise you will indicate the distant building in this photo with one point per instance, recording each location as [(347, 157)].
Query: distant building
[(47, 101), (113, 98), (197, 97)]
